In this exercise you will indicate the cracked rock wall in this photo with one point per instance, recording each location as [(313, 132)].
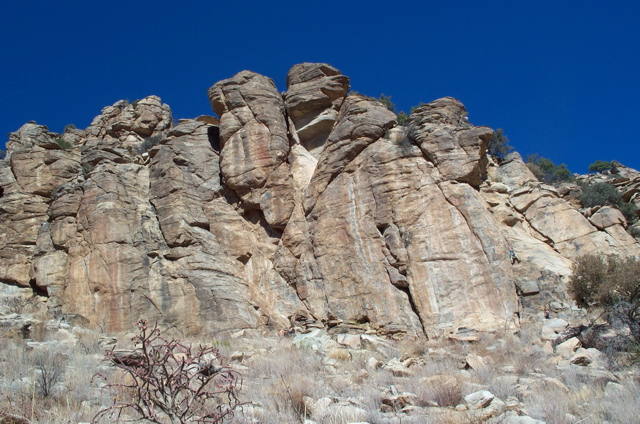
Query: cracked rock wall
[(310, 205)]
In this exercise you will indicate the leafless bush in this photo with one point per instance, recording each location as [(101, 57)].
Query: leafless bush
[(167, 381), (294, 392), (613, 285), (605, 280), (447, 393), (50, 368)]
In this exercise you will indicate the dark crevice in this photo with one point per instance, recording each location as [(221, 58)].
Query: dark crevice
[(12, 283), (244, 258), (414, 308), (213, 133), (256, 216), (401, 284), (381, 228), (203, 225), (40, 291)]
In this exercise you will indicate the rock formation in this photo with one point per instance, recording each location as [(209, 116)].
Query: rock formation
[(310, 206)]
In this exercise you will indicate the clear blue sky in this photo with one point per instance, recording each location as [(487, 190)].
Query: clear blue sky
[(562, 78)]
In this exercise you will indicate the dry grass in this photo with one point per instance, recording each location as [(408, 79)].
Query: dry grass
[(282, 382), (65, 396)]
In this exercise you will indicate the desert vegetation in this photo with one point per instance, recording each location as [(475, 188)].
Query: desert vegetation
[(547, 171), (164, 380), (602, 193), (601, 166), (611, 286), (310, 376), (499, 146), (63, 144)]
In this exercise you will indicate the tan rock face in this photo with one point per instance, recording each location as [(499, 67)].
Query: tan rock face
[(36, 165), (415, 249), (315, 92), (308, 208), (546, 231), (444, 135), (255, 143)]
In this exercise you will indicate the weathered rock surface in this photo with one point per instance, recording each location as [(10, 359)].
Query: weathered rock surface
[(315, 92), (304, 209), (255, 143)]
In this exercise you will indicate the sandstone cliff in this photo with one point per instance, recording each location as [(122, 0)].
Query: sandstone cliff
[(310, 206)]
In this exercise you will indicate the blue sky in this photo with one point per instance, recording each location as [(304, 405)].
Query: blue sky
[(561, 77)]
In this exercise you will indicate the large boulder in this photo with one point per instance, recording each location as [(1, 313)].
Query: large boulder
[(255, 144), (449, 141), (315, 92)]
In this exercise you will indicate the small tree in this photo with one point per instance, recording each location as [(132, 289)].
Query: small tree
[(612, 283), (499, 145), (601, 166), (50, 368), (547, 171), (403, 118), (386, 101), (170, 382), (600, 194)]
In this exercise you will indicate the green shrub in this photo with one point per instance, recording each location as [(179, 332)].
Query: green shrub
[(386, 101), (547, 171), (63, 144), (601, 166), (2, 154), (69, 127), (403, 118), (601, 194), (499, 145)]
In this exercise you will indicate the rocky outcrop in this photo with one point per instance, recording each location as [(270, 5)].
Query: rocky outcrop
[(379, 204), (311, 208), (315, 92), (449, 141), (255, 144), (37, 164), (545, 230)]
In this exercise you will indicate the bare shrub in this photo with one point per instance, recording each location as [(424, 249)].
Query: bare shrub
[(624, 407), (448, 393), (550, 405), (167, 381), (294, 391), (50, 368), (613, 284)]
